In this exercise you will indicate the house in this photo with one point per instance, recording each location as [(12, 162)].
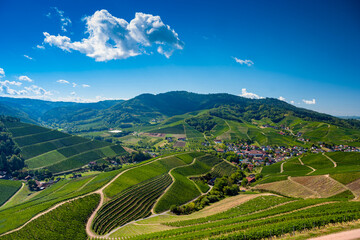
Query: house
[(182, 139), (251, 178), (217, 141)]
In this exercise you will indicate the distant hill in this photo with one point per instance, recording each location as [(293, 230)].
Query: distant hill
[(147, 109)]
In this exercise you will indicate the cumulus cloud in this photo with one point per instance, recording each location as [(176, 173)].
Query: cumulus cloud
[(246, 94), (28, 57), (7, 82), (40, 46), (292, 102), (281, 98), (2, 73), (25, 79), (249, 63), (63, 81), (85, 85), (114, 38), (74, 84), (65, 21), (309, 101), (33, 89)]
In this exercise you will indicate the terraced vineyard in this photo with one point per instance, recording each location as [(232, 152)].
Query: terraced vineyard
[(261, 217), (314, 175), (183, 189), (67, 222), (7, 189), (132, 204), (58, 151)]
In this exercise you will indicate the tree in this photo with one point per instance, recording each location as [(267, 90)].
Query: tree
[(244, 182)]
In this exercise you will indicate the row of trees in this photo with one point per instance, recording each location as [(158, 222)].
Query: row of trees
[(10, 158)]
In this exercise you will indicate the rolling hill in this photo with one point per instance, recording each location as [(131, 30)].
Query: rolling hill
[(57, 151), (314, 176)]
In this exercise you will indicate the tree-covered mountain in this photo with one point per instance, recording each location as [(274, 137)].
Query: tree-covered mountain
[(147, 108)]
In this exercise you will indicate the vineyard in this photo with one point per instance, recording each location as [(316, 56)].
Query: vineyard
[(7, 189), (262, 217), (134, 203), (183, 189), (58, 151), (65, 222)]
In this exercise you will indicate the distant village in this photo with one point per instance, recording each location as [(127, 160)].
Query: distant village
[(253, 155)]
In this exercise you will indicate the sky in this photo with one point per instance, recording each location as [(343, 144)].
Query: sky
[(306, 53)]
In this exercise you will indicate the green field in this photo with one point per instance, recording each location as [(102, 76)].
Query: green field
[(132, 204), (183, 189), (261, 217), (7, 189), (142, 173), (15, 215), (65, 222), (57, 151)]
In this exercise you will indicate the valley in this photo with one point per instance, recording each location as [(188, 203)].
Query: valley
[(215, 172)]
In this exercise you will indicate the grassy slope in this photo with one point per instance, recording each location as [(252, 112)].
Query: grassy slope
[(13, 216), (57, 151), (7, 189), (65, 222)]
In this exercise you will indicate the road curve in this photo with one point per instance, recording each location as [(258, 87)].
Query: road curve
[(346, 235)]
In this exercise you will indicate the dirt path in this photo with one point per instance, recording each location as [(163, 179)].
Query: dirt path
[(282, 167), (173, 181), (313, 170), (316, 193), (335, 164), (346, 235), (89, 231), (99, 191), (301, 162), (45, 212), (22, 186), (346, 187)]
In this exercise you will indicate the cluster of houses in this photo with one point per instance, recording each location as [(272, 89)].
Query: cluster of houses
[(41, 185), (253, 155)]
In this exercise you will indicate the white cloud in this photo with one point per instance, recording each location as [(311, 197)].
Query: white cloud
[(85, 85), (25, 78), (292, 102), (65, 21), (7, 82), (246, 94), (2, 73), (74, 84), (37, 90), (114, 38), (73, 93), (281, 98), (309, 101), (63, 81), (28, 57), (40, 46), (9, 91), (249, 63)]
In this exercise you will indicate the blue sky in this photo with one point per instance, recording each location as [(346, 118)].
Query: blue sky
[(306, 52)]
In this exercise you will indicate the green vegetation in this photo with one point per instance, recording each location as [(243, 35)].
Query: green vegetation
[(132, 204), (177, 129), (57, 151), (142, 173), (278, 216), (7, 189), (16, 215), (346, 178), (183, 189), (64, 222), (224, 168)]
